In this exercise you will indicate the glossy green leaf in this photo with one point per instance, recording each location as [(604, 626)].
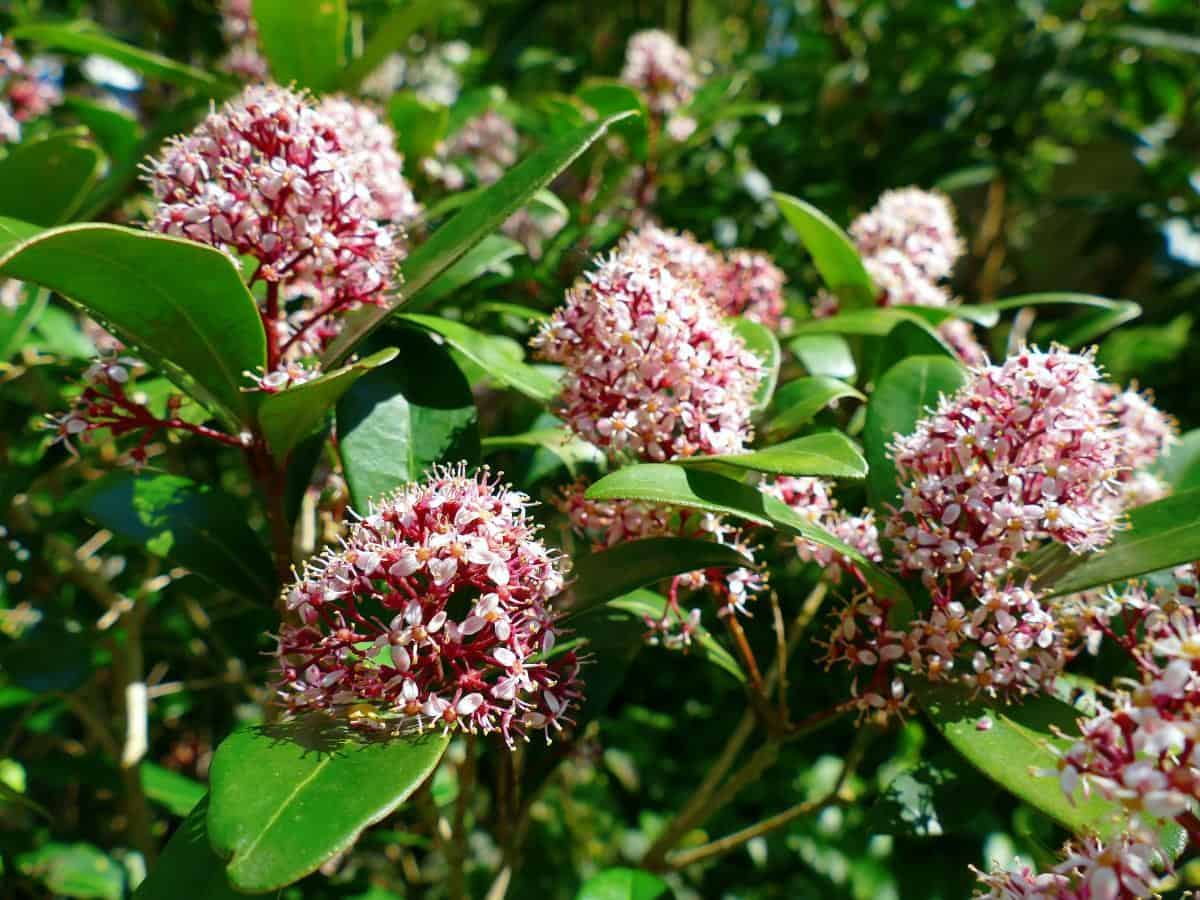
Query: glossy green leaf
[(797, 402), (708, 491), (903, 396), (909, 339), (389, 36), (1100, 314), (420, 125), (832, 251), (1014, 747), (400, 419), (489, 257), (290, 416), (45, 181), (188, 859), (760, 341), (483, 350), (304, 41), (482, 216), (624, 884), (176, 793), (877, 322), (287, 800), (85, 38), (74, 870), (190, 524), (561, 441), (829, 453), (608, 96), (182, 305), (607, 574), (824, 354), (984, 316), (1161, 535)]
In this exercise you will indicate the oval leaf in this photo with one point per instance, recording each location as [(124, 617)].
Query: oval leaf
[(832, 251), (182, 305), (290, 416), (623, 884), (304, 41), (187, 523), (45, 181), (483, 215), (188, 859), (797, 402), (824, 354), (708, 491), (829, 453), (903, 396), (400, 419), (287, 800), (618, 570)]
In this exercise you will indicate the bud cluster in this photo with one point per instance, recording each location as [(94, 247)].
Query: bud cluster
[(665, 73), (244, 58), (28, 89), (434, 612)]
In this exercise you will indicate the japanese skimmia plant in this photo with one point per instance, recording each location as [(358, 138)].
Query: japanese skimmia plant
[(418, 434)]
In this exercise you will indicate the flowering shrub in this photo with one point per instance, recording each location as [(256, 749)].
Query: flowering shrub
[(416, 486)]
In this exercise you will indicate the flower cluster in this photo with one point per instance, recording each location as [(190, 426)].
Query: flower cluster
[(658, 66), (1024, 452), (244, 57), (435, 612), (271, 177), (28, 89), (1146, 433), (812, 499), (1122, 869), (110, 401), (651, 370), (742, 283), (486, 144)]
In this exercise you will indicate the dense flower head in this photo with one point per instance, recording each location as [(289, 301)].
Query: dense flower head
[(487, 144), (753, 288), (682, 255), (657, 65), (359, 130), (271, 177), (652, 371), (1091, 869), (28, 88), (433, 613), (244, 58), (1022, 453), (917, 223)]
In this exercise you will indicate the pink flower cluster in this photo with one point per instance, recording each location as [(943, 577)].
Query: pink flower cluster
[(1024, 452), (663, 70), (272, 177), (244, 58), (743, 283), (486, 144), (435, 612), (26, 91), (813, 499), (1121, 869), (652, 372), (1146, 433)]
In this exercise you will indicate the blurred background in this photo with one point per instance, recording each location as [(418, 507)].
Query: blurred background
[(1066, 135)]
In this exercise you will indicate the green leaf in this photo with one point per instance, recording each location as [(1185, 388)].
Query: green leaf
[(797, 402), (420, 125), (760, 341), (484, 350), (45, 181), (85, 38), (829, 453), (74, 870), (1180, 465), (286, 800), (1161, 535), (182, 305), (984, 316), (389, 36), (398, 420), (290, 416), (561, 441), (708, 491), (1014, 747), (190, 524), (482, 216), (623, 884), (1100, 315), (824, 354), (117, 132), (188, 859), (489, 256), (16, 323), (908, 339), (876, 322), (608, 96), (832, 251), (611, 573), (176, 793), (903, 396), (304, 41)]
